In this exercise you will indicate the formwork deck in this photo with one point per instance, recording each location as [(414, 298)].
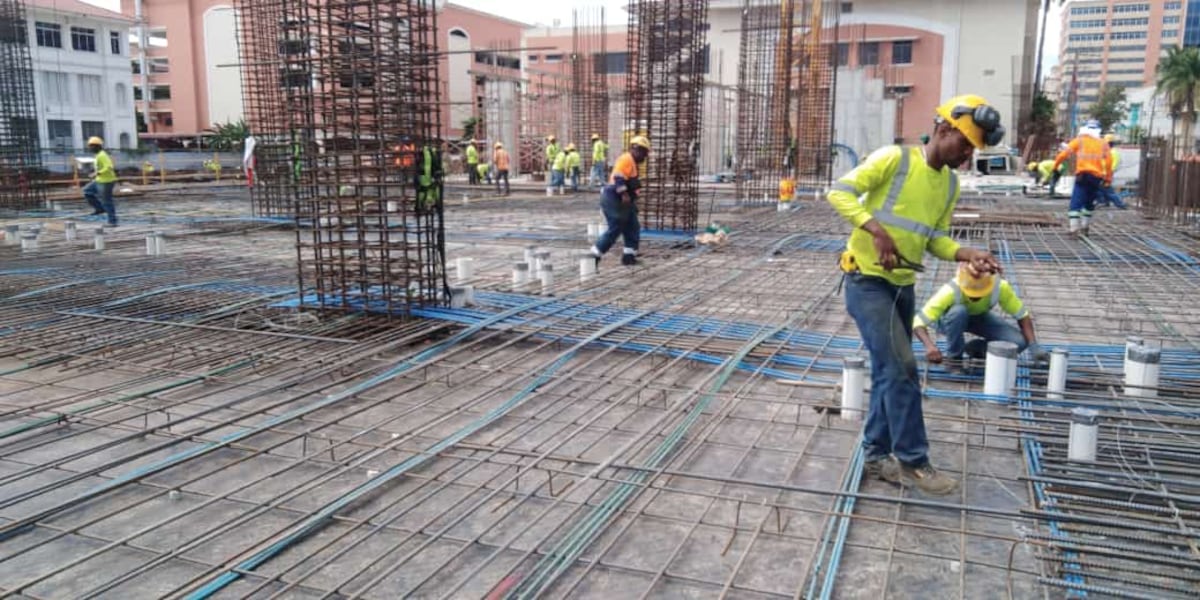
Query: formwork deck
[(653, 432)]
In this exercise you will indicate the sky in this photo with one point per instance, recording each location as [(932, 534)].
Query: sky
[(546, 12)]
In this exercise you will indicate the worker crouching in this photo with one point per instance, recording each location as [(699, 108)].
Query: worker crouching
[(965, 305)]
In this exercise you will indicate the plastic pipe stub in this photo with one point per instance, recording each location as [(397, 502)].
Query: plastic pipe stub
[(1085, 416), (1144, 355), (1002, 349), (521, 266), (854, 362), (1061, 351)]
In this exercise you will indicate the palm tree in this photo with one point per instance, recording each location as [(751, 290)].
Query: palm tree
[(1178, 77)]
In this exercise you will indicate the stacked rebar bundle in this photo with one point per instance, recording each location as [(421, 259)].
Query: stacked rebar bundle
[(765, 149), (589, 86), (20, 155), (666, 81), (347, 93)]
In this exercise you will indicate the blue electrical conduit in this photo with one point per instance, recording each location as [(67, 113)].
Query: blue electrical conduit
[(558, 559), (8, 530), (322, 516), (46, 290)]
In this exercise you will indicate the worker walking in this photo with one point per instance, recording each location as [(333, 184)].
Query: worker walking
[(500, 156), (965, 305), (552, 151), (472, 163), (599, 161), (558, 172), (1110, 195), (1093, 171), (910, 193), (99, 192), (618, 201), (573, 165)]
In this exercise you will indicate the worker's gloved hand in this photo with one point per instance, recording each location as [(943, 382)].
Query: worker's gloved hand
[(933, 355), (1038, 354)]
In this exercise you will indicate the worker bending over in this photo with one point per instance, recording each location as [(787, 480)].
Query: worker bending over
[(618, 201), (99, 192), (965, 305), (573, 163), (910, 193), (1046, 175), (1093, 171)]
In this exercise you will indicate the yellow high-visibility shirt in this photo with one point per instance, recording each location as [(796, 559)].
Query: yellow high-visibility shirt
[(912, 201), (599, 151), (105, 171), (560, 162), (573, 160), (950, 295), (472, 155)]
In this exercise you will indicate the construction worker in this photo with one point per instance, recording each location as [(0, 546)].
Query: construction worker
[(484, 171), (965, 304), (558, 172), (1044, 175), (1110, 195), (99, 192), (618, 201), (500, 156), (910, 193), (552, 151), (1093, 171), (599, 160), (472, 163), (573, 163)]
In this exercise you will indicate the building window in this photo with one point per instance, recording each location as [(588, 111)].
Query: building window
[(83, 39), (13, 31), (1132, 8), (158, 64), (1171, 20), (160, 92), (847, 8), (49, 35), (611, 63), (1085, 37), (92, 129), (59, 133), (902, 53), (1089, 10), (156, 38), (1129, 48), (125, 141), (554, 58), (843, 54), (114, 42), (1128, 35), (868, 53), (121, 97), (1172, 6), (534, 58), (57, 88), (1087, 23), (1170, 33), (137, 94), (1138, 22), (90, 90)]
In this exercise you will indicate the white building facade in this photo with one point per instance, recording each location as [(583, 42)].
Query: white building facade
[(80, 56)]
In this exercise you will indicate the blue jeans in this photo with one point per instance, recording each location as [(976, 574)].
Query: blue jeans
[(1088, 188), (574, 179), (895, 421), (100, 197), (622, 221), (557, 179), (1110, 196), (597, 176), (989, 326)]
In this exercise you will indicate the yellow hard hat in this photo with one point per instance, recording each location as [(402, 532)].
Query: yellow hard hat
[(499, 145), (972, 286), (550, 138), (570, 147), (472, 141), (95, 141), (975, 118), (595, 136), (1033, 165), (640, 140)]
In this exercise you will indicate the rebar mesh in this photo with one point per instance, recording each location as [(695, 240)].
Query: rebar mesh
[(345, 97), (668, 62), (21, 174)]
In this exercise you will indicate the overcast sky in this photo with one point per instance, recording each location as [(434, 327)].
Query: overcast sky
[(546, 12)]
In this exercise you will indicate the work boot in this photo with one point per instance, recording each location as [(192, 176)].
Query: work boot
[(883, 469), (927, 479), (629, 259)]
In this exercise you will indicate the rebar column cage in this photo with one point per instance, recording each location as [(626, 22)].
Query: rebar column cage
[(344, 98), (21, 174), (589, 85), (815, 83), (765, 149), (668, 62)]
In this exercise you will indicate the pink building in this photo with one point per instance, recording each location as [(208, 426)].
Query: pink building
[(188, 66), (474, 44)]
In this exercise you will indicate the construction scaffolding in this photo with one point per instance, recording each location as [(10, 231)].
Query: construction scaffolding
[(765, 150), (589, 84), (21, 174), (349, 90), (668, 61)]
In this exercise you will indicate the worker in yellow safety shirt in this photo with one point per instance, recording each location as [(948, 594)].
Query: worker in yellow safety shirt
[(1109, 195), (1044, 174), (472, 163), (965, 305), (909, 193), (99, 192), (552, 151), (599, 161), (558, 172), (1093, 171), (573, 165)]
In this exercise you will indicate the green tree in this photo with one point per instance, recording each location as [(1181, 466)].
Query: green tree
[(469, 127), (1110, 108), (227, 136), (1178, 77), (1040, 130)]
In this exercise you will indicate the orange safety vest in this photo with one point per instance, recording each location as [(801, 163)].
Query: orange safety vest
[(406, 156), (501, 157), (1091, 156)]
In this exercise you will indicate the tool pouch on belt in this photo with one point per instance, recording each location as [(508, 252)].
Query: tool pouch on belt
[(848, 265)]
